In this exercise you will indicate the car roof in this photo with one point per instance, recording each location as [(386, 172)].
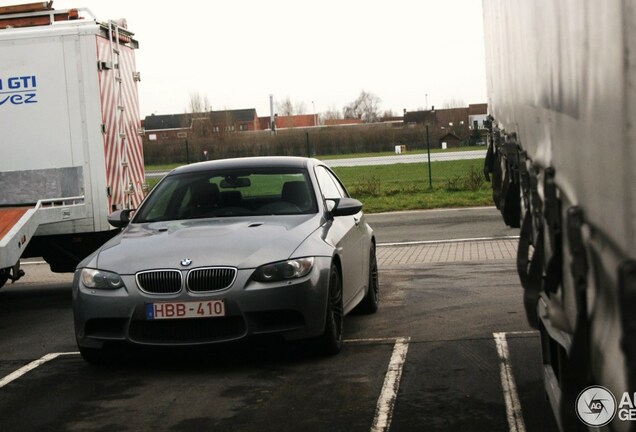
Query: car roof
[(248, 163)]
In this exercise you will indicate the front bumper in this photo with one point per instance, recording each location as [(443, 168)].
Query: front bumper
[(295, 309)]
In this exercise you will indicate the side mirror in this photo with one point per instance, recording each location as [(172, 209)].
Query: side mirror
[(344, 207), (120, 218)]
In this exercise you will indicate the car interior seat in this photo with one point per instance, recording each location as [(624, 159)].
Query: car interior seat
[(232, 198), (204, 197), (296, 192)]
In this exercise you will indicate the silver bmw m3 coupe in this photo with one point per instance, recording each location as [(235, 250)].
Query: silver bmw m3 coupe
[(225, 249)]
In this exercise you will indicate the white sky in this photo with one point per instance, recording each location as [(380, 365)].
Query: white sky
[(237, 53)]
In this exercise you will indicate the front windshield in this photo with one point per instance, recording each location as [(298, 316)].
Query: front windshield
[(229, 193)]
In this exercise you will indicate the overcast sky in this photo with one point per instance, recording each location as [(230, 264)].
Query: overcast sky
[(237, 53)]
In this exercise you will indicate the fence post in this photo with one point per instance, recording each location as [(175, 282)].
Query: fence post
[(428, 151)]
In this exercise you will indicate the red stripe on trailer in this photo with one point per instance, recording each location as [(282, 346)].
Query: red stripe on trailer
[(117, 149)]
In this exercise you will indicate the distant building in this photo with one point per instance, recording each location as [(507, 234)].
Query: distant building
[(419, 117), (465, 123), (240, 120), (449, 140), (180, 126), (452, 120), (289, 122), (477, 114), (452, 123), (166, 127)]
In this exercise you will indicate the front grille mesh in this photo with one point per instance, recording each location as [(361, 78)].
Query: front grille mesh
[(160, 281), (196, 330), (211, 279)]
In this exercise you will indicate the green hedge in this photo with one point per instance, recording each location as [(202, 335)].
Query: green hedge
[(289, 142)]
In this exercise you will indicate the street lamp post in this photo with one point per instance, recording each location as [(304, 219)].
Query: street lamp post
[(315, 114)]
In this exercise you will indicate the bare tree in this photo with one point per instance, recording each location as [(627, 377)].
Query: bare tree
[(387, 114), (333, 113), (454, 103), (285, 107), (300, 108), (197, 115), (198, 103), (366, 107)]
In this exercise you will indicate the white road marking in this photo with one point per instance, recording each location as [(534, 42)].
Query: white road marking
[(464, 240), (511, 397), (371, 341), (28, 368), (523, 333), (386, 401), (436, 210)]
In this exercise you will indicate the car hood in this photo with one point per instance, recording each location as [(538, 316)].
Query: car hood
[(236, 242)]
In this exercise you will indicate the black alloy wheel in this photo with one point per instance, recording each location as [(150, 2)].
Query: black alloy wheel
[(371, 300), (330, 342)]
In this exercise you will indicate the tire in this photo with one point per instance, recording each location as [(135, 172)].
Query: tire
[(511, 208), (4, 276), (330, 343), (93, 355), (371, 301)]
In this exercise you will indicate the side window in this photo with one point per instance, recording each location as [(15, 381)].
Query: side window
[(162, 203), (329, 186), (340, 186)]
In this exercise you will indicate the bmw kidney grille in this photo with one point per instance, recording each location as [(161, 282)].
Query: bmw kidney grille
[(210, 279), (160, 281)]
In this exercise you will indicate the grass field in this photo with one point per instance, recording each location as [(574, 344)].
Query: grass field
[(406, 186), (384, 188)]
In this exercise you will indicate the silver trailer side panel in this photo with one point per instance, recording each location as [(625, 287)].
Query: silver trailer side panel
[(561, 74), (561, 78)]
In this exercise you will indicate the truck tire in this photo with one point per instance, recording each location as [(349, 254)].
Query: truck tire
[(511, 209), (4, 276)]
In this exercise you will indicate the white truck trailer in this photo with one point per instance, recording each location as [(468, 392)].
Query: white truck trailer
[(561, 78), (70, 144)]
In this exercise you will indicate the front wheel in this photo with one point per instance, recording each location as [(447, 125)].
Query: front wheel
[(330, 342), (371, 300), (94, 355)]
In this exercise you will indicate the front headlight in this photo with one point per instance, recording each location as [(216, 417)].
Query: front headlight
[(100, 279), (290, 269)]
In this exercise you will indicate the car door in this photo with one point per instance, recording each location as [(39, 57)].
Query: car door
[(347, 235)]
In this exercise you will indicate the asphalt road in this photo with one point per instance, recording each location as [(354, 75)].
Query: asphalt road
[(443, 224), (408, 158), (430, 359), (384, 160)]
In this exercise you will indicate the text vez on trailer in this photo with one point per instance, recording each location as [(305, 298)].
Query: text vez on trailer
[(18, 90)]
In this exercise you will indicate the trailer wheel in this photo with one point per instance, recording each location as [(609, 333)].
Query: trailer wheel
[(4, 276)]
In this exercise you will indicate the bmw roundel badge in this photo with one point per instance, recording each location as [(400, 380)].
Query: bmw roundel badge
[(186, 262)]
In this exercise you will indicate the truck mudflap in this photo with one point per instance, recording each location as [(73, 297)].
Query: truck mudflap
[(565, 346), (552, 242), (501, 168), (530, 270)]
